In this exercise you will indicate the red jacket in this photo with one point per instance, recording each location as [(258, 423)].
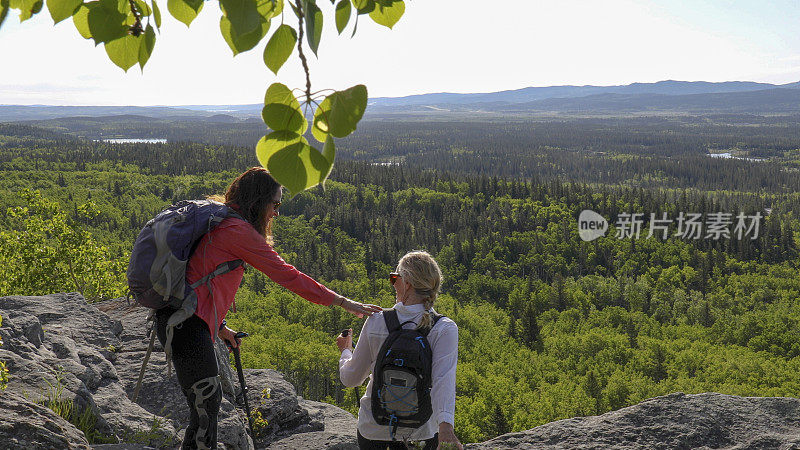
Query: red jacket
[(237, 239)]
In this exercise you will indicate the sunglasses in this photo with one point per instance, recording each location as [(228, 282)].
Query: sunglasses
[(277, 205), (393, 277)]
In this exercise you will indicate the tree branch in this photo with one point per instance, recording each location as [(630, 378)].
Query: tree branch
[(136, 29), (301, 29)]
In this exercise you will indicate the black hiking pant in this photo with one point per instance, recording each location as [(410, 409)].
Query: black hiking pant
[(196, 368)]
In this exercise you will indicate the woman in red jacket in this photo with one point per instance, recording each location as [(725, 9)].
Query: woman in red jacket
[(256, 197)]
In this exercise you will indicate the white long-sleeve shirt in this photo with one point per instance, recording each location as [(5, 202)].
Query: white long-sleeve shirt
[(356, 366)]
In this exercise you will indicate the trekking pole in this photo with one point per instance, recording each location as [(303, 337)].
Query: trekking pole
[(238, 359)]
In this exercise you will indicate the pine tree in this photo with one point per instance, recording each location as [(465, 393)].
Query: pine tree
[(498, 422), (593, 389)]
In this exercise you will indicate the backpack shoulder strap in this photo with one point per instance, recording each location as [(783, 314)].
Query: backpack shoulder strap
[(232, 213), (221, 269), (425, 331), (391, 320)]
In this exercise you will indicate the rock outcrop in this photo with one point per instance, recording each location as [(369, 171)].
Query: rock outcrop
[(92, 354), (24, 424), (674, 421), (58, 348)]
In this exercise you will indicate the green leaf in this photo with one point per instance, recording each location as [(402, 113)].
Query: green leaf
[(347, 108), (185, 10), (157, 14), (242, 14), (292, 162), (27, 8), (280, 47), (364, 6), (3, 11), (340, 112), (298, 167), (241, 43), (281, 110), (61, 9), (329, 153), (277, 140), (343, 10), (143, 8), (329, 150), (269, 8), (124, 52), (146, 48), (106, 22), (320, 127), (81, 19), (355, 27), (313, 24), (387, 13)]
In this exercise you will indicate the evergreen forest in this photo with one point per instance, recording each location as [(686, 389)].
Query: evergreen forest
[(550, 326)]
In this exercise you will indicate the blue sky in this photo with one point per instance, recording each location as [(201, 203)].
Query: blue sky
[(438, 46)]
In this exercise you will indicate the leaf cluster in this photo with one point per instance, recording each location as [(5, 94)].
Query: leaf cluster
[(125, 28)]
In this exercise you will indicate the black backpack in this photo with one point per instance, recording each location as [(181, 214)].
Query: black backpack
[(401, 384)]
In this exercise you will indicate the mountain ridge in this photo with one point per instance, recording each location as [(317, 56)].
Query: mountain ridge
[(777, 100), (522, 95), (421, 103)]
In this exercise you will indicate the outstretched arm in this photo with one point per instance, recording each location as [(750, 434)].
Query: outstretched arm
[(247, 245), (359, 309)]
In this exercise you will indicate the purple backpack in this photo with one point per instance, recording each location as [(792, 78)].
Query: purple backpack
[(157, 269)]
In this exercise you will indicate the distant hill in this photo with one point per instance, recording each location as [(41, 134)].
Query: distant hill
[(15, 113), (529, 94), (669, 95), (783, 100), (768, 101)]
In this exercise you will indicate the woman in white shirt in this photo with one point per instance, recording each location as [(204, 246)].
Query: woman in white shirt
[(416, 283)]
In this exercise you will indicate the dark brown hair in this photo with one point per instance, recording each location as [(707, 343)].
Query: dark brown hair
[(251, 193)]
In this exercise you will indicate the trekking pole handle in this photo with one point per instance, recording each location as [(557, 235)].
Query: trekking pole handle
[(238, 335)]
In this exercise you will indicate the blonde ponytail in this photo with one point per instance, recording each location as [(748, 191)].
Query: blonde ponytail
[(427, 317)]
